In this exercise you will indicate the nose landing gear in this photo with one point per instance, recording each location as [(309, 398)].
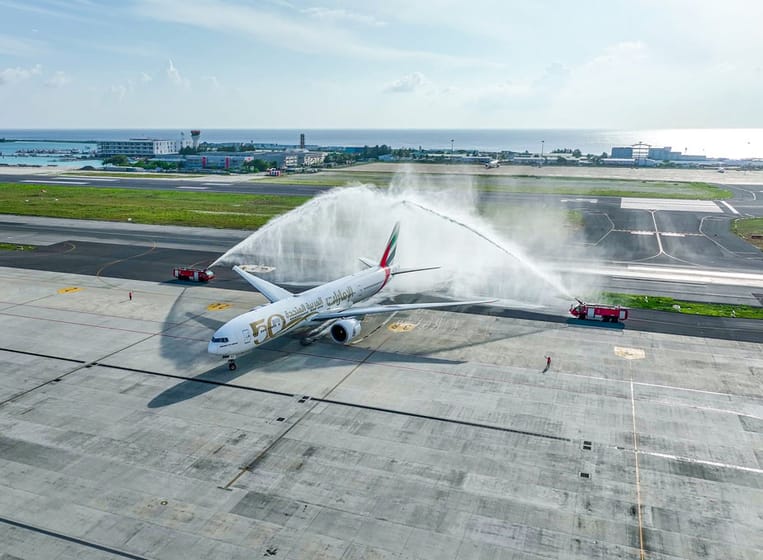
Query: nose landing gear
[(232, 363)]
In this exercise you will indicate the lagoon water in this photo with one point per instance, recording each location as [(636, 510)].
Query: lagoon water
[(36, 153), (717, 142)]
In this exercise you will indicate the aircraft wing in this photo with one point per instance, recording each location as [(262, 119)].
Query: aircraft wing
[(355, 311), (272, 292)]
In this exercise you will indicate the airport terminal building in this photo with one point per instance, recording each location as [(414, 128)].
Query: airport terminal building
[(138, 147)]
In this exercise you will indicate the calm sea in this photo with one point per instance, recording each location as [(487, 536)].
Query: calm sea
[(729, 143)]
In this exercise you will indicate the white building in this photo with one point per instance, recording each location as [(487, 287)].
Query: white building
[(138, 147)]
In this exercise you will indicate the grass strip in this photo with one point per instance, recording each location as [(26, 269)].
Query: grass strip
[(201, 209), (628, 188), (749, 229), (660, 303), (16, 247)]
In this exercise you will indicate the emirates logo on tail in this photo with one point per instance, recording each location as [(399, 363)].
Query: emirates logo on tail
[(389, 252)]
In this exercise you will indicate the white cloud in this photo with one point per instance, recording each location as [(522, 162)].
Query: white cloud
[(407, 84), (64, 11), (121, 91), (289, 31), (58, 80), (14, 46), (174, 76), (145, 78), (212, 81), (342, 16), (11, 76)]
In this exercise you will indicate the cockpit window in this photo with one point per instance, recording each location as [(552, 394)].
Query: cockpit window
[(223, 339)]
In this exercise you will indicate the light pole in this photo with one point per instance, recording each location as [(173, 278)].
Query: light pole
[(542, 145), (451, 150)]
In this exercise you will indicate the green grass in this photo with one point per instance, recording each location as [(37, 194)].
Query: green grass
[(746, 228), (660, 303), (146, 207), (579, 186), (16, 247)]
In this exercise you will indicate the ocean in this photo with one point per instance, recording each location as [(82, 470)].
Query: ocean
[(735, 143)]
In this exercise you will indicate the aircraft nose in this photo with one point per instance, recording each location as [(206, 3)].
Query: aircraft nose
[(214, 346)]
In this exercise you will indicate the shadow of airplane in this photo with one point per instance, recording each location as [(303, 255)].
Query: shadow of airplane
[(194, 387)]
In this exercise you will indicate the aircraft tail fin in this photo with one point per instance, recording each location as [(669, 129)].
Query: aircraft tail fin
[(389, 252), (272, 292)]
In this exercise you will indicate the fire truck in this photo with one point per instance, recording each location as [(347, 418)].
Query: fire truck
[(192, 274), (605, 313)]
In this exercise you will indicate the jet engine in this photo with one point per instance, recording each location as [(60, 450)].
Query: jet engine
[(342, 332)]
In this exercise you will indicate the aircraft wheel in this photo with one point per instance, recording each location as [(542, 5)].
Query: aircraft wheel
[(232, 366), (305, 341)]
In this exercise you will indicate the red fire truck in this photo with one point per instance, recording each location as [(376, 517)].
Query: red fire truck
[(193, 274), (606, 313)]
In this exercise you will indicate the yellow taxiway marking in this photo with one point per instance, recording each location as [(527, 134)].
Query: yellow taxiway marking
[(69, 290), (401, 327), (630, 353), (217, 306)]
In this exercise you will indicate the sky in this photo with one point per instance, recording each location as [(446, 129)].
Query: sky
[(391, 64)]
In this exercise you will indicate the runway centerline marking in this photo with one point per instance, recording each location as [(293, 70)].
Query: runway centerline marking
[(54, 182), (194, 188), (105, 179)]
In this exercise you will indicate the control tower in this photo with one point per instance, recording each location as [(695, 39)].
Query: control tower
[(195, 134)]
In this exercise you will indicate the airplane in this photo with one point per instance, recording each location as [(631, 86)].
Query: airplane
[(325, 309), (492, 163)]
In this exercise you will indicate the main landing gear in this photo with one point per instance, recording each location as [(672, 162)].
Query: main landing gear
[(306, 341), (232, 363)]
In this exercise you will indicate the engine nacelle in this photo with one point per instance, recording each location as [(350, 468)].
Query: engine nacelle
[(342, 332)]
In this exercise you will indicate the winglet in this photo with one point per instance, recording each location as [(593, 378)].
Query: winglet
[(272, 292), (389, 252)]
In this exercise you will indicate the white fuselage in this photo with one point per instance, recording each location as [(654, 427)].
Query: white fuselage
[(249, 330)]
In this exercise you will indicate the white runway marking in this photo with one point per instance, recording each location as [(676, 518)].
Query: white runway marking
[(706, 206), (700, 462), (690, 275), (642, 233), (104, 179), (217, 184), (729, 206), (672, 234), (52, 182), (195, 188)]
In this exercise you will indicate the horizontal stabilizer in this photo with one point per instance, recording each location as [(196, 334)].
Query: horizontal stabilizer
[(272, 292), (368, 262), (396, 271), (356, 311)]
